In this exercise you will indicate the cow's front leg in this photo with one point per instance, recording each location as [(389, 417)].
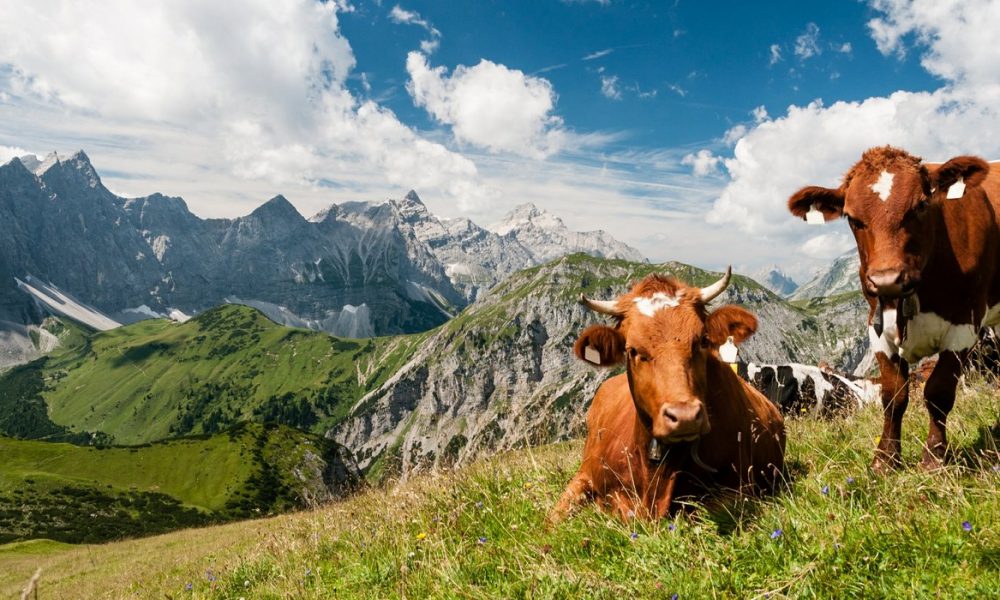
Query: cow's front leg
[(578, 492), (895, 396), (939, 395)]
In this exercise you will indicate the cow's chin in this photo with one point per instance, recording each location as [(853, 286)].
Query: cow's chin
[(676, 439)]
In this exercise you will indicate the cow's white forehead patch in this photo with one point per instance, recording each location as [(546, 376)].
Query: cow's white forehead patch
[(648, 305), (883, 187)]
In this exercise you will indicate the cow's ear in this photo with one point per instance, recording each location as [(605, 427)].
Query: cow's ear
[(600, 345), (727, 321), (970, 169), (828, 201)]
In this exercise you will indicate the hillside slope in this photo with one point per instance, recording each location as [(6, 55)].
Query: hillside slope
[(86, 494), (156, 379), (835, 531), (501, 375)]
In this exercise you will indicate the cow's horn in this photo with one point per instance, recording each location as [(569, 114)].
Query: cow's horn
[(607, 307), (709, 293)]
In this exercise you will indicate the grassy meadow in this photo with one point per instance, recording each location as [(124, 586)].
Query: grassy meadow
[(92, 494), (835, 531)]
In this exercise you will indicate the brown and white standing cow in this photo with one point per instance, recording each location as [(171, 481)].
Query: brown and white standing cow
[(929, 246), (679, 421)]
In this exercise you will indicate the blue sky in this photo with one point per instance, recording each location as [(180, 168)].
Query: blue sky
[(707, 71), (679, 127)]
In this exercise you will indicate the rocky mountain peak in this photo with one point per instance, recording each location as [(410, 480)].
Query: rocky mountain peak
[(277, 209), (527, 216), (841, 276), (775, 279), (411, 197)]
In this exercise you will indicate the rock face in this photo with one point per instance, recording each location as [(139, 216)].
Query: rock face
[(357, 270), (476, 258), (548, 238), (840, 277), (776, 280), (502, 374)]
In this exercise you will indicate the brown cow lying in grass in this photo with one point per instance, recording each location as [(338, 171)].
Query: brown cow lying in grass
[(679, 421)]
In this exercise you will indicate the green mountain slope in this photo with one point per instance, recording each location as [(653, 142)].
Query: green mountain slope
[(157, 379), (86, 494)]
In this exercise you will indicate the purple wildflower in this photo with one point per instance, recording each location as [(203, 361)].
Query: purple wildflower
[(826, 490), (966, 526), (634, 535), (209, 576), (674, 596), (479, 504), (776, 534), (482, 539), (671, 527), (188, 586), (850, 481)]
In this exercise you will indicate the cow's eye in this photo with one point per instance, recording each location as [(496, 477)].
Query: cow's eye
[(855, 224), (921, 207), (705, 342)]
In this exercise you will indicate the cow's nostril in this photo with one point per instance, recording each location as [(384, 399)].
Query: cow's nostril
[(670, 415)]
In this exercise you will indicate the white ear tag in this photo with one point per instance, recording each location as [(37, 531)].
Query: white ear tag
[(957, 190), (592, 355), (728, 351), (814, 216)]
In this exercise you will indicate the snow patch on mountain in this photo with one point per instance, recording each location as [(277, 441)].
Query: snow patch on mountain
[(59, 303)]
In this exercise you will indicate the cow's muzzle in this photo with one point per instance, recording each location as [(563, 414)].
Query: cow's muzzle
[(681, 422), (891, 283)]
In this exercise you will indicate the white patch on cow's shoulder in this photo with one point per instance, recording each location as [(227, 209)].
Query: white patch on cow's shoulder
[(883, 187), (648, 305), (888, 342), (927, 334)]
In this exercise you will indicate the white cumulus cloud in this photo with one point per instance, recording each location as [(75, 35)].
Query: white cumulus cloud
[(489, 106), (703, 163), (255, 93)]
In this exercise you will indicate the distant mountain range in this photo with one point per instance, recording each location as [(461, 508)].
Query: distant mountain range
[(357, 269), (840, 277), (775, 279)]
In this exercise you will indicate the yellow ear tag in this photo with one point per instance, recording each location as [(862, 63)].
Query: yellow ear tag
[(728, 351), (814, 216), (592, 355), (957, 190)]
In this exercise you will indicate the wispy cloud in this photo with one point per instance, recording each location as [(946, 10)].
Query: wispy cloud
[(407, 17), (609, 87), (598, 54), (550, 68), (807, 43), (775, 52)]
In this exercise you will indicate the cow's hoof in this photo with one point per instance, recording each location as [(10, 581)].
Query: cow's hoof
[(884, 464), (931, 462)]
